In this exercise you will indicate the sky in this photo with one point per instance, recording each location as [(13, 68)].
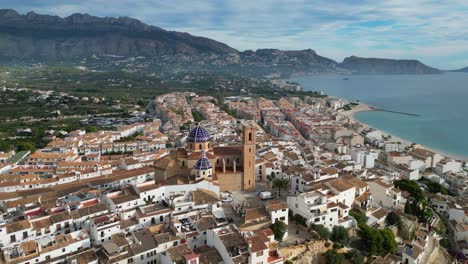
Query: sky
[(434, 32)]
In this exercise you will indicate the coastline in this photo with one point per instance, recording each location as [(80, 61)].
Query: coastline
[(361, 107)]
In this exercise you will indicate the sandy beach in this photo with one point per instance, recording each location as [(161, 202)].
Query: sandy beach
[(364, 107), (358, 108)]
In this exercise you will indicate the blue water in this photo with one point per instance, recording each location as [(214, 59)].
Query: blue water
[(441, 100)]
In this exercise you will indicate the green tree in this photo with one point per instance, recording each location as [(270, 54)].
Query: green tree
[(333, 257), (355, 257), (388, 243), (445, 243), (5, 145), (91, 129), (393, 219), (339, 234), (280, 184), (412, 187), (361, 218), (271, 177), (419, 209), (300, 219), (378, 242), (369, 237), (27, 146), (408, 208), (321, 230), (435, 187), (197, 116), (279, 229)]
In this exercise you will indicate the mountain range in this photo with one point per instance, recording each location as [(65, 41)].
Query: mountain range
[(462, 70), (51, 39)]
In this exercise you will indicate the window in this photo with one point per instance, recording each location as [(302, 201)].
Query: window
[(250, 136), (199, 146), (63, 249), (260, 253)]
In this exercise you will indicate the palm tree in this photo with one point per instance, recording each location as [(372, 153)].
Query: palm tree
[(280, 184), (271, 177), (148, 200)]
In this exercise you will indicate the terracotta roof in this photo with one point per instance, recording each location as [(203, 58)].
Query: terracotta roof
[(358, 182), (383, 184), (202, 196), (28, 246), (85, 257), (220, 151), (197, 155), (60, 217), (380, 213), (256, 244), (340, 185), (276, 205), (17, 226), (255, 213), (363, 197)]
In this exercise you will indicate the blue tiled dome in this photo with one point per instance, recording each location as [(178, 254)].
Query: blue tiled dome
[(198, 134), (203, 163)]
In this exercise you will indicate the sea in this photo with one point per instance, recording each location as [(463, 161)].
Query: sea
[(440, 100)]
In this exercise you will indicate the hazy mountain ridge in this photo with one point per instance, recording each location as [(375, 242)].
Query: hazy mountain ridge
[(358, 65), (461, 70), (49, 39), (52, 37)]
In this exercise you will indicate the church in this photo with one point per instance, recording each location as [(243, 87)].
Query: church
[(230, 167)]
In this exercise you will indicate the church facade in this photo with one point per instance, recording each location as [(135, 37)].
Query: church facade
[(230, 167)]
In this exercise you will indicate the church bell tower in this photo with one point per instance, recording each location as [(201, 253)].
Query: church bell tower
[(248, 156)]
